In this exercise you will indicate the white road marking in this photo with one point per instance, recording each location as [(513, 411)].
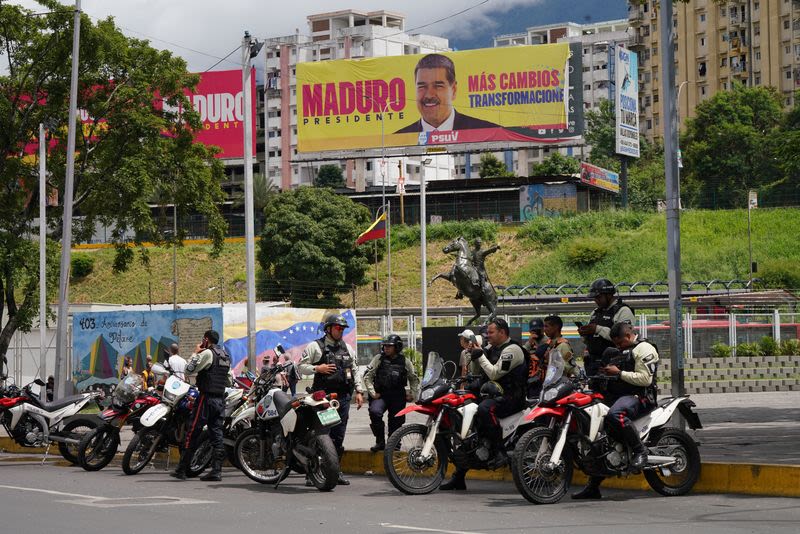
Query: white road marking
[(112, 502), (424, 529)]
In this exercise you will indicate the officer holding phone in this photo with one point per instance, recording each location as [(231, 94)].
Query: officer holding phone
[(597, 334)]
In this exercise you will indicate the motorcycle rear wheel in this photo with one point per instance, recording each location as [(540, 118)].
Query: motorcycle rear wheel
[(140, 450), (323, 467), (406, 470), (533, 479), (680, 477), (254, 455), (75, 429), (97, 448)]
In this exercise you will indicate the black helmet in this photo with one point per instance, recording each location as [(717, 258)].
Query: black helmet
[(336, 319), (601, 286), (491, 390), (535, 324), (395, 341)]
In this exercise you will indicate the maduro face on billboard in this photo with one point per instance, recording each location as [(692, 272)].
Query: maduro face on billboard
[(495, 94)]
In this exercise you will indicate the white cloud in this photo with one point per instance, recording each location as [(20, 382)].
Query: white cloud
[(216, 27)]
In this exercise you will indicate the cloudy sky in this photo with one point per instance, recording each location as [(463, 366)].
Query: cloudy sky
[(202, 31)]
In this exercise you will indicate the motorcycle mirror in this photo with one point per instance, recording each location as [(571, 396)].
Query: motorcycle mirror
[(39, 382)]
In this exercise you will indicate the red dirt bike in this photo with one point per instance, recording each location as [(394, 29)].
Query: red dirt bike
[(128, 402), (416, 455)]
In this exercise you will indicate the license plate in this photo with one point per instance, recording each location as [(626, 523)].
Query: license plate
[(329, 417)]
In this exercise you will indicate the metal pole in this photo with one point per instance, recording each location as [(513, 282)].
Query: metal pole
[(42, 253), (623, 179), (60, 376), (673, 198), (423, 247), (174, 255), (252, 363), (389, 264)]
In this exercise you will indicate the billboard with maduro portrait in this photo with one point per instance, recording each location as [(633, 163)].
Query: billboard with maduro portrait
[(523, 93)]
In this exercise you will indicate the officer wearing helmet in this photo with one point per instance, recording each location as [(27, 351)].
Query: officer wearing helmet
[(332, 363), (597, 334), (385, 381)]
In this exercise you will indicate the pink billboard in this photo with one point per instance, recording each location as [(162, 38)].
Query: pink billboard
[(219, 100)]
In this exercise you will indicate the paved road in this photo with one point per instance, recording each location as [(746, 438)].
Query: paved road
[(50, 499)]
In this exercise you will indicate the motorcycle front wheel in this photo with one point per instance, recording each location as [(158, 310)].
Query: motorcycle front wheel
[(680, 477), (254, 455), (98, 447), (407, 470), (140, 450), (323, 466), (202, 456), (75, 429), (537, 481)]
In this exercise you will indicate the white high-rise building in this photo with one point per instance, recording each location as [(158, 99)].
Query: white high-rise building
[(336, 35)]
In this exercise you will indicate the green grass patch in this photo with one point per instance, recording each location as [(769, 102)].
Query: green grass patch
[(404, 236)]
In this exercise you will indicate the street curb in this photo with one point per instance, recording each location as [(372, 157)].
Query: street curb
[(747, 479)]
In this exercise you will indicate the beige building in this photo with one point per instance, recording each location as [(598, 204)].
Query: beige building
[(718, 45)]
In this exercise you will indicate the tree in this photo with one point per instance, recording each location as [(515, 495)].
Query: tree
[(557, 165), (601, 136), (129, 154), (308, 251), (329, 176), (491, 167), (726, 146)]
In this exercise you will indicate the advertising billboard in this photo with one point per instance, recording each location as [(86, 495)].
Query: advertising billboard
[(219, 100), (599, 177), (626, 102), (498, 94)]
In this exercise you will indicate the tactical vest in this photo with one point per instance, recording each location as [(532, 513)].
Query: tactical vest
[(515, 381), (391, 375), (213, 380), (620, 388), (597, 344), (342, 380)]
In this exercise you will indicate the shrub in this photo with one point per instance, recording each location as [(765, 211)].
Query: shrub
[(408, 236), (790, 347), (721, 350), (82, 265), (748, 350), (416, 359), (768, 346), (551, 230), (587, 251), (779, 274)]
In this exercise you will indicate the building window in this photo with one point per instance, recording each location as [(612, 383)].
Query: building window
[(702, 41), (788, 75), (723, 62), (702, 17), (703, 90), (758, 55), (655, 98), (701, 68), (786, 24), (649, 124), (756, 29), (757, 80), (755, 6)]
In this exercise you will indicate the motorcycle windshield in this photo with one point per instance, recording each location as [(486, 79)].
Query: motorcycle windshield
[(433, 370), (127, 389), (555, 369)]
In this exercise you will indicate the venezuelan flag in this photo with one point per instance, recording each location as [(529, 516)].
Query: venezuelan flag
[(376, 231)]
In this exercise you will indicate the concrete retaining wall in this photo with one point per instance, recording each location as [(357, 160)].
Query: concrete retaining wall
[(736, 374)]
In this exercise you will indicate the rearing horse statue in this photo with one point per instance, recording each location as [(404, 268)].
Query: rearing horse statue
[(470, 281)]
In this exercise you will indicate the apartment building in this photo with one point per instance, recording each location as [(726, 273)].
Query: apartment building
[(597, 39), (336, 35), (749, 42)]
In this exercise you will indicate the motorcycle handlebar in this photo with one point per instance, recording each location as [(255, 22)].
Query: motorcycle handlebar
[(603, 377)]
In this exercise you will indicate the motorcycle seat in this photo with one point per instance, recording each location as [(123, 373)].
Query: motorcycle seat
[(282, 402), (56, 405)]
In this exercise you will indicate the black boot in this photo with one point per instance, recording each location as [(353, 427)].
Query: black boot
[(457, 482), (341, 481), (591, 491), (182, 468), (638, 450), (215, 475), (378, 430)]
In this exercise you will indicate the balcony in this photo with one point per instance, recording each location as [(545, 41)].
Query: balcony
[(636, 17)]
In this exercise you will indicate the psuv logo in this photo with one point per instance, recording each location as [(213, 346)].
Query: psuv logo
[(423, 138), (623, 55)]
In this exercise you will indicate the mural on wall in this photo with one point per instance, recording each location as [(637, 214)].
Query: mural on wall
[(102, 340), (293, 328), (546, 200)]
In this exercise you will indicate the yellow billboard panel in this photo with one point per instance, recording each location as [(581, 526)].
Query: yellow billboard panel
[(491, 94)]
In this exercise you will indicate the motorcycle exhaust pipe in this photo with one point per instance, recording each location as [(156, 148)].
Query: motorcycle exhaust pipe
[(64, 439), (660, 460)]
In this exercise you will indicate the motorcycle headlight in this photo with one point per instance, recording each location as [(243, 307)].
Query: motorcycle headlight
[(426, 395), (550, 395)]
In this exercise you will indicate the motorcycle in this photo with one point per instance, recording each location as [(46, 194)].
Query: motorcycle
[(289, 435), (163, 425), (30, 422), (416, 455), (570, 431), (128, 402)]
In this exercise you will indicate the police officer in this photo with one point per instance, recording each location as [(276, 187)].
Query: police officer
[(597, 334), (503, 390), (385, 381), (332, 363), (212, 367), (630, 396)]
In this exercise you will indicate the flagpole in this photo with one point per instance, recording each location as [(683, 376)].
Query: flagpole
[(389, 264)]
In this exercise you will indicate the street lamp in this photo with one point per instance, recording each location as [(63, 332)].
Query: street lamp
[(678, 119), (423, 241)]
